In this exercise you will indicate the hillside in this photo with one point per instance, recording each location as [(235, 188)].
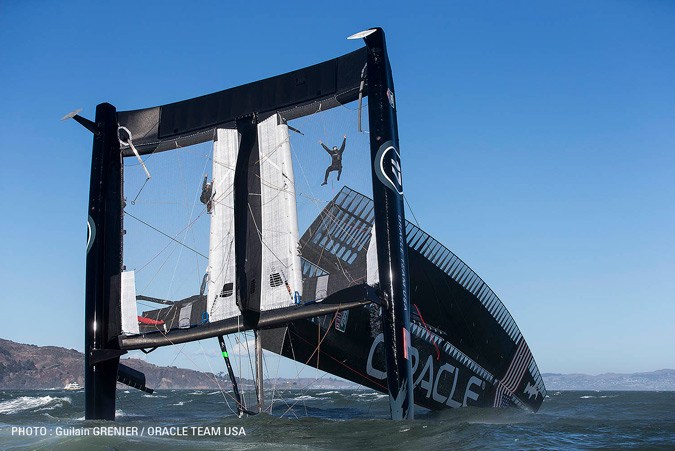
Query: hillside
[(24, 366)]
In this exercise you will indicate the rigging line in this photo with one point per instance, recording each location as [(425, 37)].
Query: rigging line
[(296, 364), (269, 407), (271, 152), (161, 375), (312, 193), (163, 203), (217, 296), (166, 235), (279, 191), (347, 366), (188, 357), (303, 393), (337, 259), (324, 126), (411, 211), (180, 253), (187, 210), (438, 353), (160, 268), (133, 202), (276, 375), (296, 191), (222, 392), (263, 241), (315, 349), (242, 391), (248, 351), (222, 269), (280, 393), (218, 200), (283, 340), (157, 255), (220, 163)]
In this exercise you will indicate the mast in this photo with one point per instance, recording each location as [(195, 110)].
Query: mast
[(392, 249), (259, 370), (103, 268)]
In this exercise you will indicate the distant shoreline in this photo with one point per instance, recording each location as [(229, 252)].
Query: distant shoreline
[(30, 367)]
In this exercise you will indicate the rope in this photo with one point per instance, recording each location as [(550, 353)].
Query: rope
[(314, 352), (347, 366), (438, 353), (411, 211), (193, 362), (169, 236), (213, 372)]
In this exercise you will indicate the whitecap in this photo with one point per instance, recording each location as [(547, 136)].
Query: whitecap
[(122, 413), (332, 392), (303, 398), (370, 396), (23, 403)]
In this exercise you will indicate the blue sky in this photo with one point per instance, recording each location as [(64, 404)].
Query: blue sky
[(537, 140)]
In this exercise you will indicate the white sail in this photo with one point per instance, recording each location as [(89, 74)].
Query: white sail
[(372, 270), (281, 273), (128, 304), (222, 285)]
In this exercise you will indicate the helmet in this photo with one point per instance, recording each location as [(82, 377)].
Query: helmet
[(334, 147)]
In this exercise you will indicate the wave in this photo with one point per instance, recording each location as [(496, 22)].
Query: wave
[(24, 403), (121, 413), (370, 395), (332, 392), (304, 398)]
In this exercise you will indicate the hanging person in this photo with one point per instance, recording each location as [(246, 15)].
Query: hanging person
[(207, 194), (336, 163)]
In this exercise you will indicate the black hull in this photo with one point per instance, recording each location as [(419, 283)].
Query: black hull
[(441, 379)]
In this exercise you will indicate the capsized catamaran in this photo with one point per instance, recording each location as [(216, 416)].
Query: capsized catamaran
[(363, 294)]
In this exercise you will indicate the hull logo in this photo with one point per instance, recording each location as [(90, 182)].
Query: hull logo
[(341, 320), (91, 233), (390, 96), (388, 167), (428, 381)]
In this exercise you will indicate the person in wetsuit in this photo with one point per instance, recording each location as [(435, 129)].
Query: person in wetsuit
[(336, 155), (207, 194)]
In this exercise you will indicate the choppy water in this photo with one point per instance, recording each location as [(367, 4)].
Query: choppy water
[(339, 419)]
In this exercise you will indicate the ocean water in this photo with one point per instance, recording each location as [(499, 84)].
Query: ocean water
[(334, 419)]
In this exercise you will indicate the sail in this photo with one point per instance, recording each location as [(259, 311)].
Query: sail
[(275, 223), (220, 299), (128, 304), (281, 272)]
